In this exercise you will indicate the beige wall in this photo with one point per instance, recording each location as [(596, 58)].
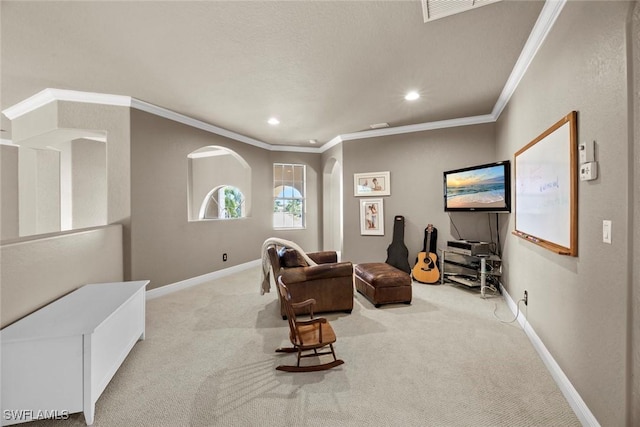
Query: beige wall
[(39, 195), (165, 246), (89, 183), (207, 173), (416, 162), (37, 271), (114, 121), (582, 308), (577, 306), (56, 124), (634, 160), (47, 191), (9, 191), (37, 122), (332, 198)]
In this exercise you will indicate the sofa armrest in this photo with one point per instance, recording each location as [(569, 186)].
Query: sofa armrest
[(324, 257), (317, 272), (274, 258)]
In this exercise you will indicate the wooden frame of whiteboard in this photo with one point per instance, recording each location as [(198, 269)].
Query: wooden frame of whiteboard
[(545, 138)]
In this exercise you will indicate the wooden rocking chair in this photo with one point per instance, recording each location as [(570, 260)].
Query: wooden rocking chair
[(308, 335)]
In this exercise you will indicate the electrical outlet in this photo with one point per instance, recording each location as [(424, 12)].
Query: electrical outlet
[(224, 257), (526, 298)]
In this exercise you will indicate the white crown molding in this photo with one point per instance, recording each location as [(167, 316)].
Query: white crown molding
[(294, 149), (335, 141), (420, 127), (198, 124), (550, 12), (441, 124), (32, 103), (548, 15), (91, 97), (49, 95)]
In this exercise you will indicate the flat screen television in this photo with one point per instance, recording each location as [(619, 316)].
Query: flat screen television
[(480, 188)]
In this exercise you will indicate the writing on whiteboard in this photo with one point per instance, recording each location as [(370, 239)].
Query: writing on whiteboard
[(550, 185)]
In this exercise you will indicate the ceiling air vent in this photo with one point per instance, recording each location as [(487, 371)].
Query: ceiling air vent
[(436, 9), (379, 125)]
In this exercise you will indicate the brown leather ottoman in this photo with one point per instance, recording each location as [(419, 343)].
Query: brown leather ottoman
[(382, 283)]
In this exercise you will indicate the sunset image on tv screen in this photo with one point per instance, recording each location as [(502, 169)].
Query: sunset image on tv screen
[(481, 188)]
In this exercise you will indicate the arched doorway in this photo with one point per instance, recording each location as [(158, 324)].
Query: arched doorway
[(332, 205)]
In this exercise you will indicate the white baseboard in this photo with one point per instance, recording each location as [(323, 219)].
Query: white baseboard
[(184, 284), (570, 393)]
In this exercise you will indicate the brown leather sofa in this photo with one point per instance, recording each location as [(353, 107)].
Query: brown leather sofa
[(330, 282)]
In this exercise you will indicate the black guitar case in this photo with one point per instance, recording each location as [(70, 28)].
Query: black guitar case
[(433, 246), (397, 252)]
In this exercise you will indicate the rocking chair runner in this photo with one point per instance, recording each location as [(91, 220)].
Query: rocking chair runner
[(308, 335)]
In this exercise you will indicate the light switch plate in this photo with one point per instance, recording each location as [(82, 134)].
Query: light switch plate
[(606, 231)]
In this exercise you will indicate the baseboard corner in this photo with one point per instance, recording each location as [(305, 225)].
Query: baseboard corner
[(194, 281), (574, 399)]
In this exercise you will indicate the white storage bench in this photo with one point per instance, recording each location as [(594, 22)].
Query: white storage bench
[(59, 359)]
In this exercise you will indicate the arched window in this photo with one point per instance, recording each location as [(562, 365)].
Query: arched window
[(224, 202), (219, 184)]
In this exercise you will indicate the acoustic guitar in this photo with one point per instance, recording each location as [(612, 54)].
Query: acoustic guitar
[(426, 268)]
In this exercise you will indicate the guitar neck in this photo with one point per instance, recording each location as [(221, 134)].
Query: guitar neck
[(427, 245)]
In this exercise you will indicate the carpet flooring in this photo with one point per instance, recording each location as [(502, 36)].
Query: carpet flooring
[(445, 360)]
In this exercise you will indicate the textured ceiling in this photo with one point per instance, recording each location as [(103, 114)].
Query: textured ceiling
[(324, 68)]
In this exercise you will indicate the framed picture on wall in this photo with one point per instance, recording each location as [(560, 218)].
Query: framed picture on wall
[(371, 184), (371, 217)]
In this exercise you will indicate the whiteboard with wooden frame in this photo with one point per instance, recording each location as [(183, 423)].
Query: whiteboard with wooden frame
[(546, 188)]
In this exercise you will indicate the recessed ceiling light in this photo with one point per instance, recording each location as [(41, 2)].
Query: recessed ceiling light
[(313, 141), (273, 121), (412, 96)]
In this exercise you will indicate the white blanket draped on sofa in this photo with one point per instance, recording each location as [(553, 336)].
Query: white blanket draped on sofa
[(267, 273)]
